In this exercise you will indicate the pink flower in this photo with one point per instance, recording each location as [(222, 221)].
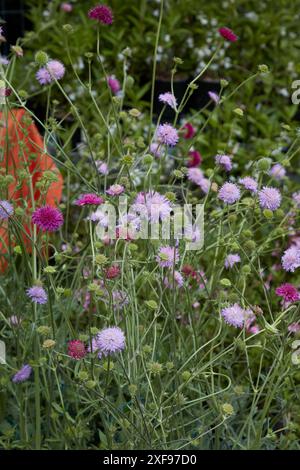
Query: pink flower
[(66, 7), (89, 199), (114, 84), (115, 190), (54, 70), (155, 149), (228, 34), (102, 167), (195, 175), (294, 327), (224, 161), (109, 341), (195, 158), (48, 218), (112, 272), (154, 205), (190, 131), (169, 99), (234, 315), (229, 193), (167, 134), (76, 349), (288, 292), (102, 14)]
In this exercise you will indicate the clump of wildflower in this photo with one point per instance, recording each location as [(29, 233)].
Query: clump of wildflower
[(6, 210), (48, 218), (288, 292), (167, 134), (291, 259), (37, 294), (169, 99), (102, 14), (195, 158), (76, 349), (278, 172), (53, 70), (109, 341), (167, 256), (89, 199), (115, 190), (229, 193), (23, 374), (249, 183), (228, 34), (234, 315), (269, 198), (114, 84), (231, 260), (190, 131), (224, 161)]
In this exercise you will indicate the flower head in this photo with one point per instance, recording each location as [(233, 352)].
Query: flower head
[(231, 260), (278, 172), (195, 175), (294, 327), (22, 374), (76, 349), (229, 193), (167, 134), (37, 294), (269, 198), (228, 34), (214, 97), (48, 218), (169, 99), (114, 84), (101, 13), (296, 199), (195, 158), (288, 292), (109, 341), (54, 70), (224, 161), (115, 190), (89, 199), (234, 315), (167, 256), (154, 205), (155, 149), (6, 210), (102, 167), (291, 259), (112, 272), (190, 131), (249, 183), (66, 7)]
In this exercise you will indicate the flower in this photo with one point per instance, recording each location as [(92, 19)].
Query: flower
[(291, 259), (269, 198), (155, 149), (66, 7), (99, 216), (278, 172), (115, 190), (205, 185), (224, 161), (89, 199), (228, 34), (231, 260), (76, 349), (101, 13), (195, 158), (109, 341), (153, 204), (296, 199), (234, 315), (190, 131), (6, 210), (54, 70), (114, 84), (48, 218), (294, 327), (288, 292), (249, 183), (178, 278), (214, 97), (37, 294), (168, 98), (167, 256), (112, 272), (229, 193), (102, 167), (22, 374), (167, 134), (195, 175)]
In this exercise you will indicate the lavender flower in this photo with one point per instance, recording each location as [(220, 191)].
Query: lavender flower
[(37, 294), (6, 210), (278, 172), (109, 341), (169, 99), (229, 193), (234, 315), (22, 374), (224, 161), (167, 134), (231, 260), (291, 259), (269, 198), (214, 97), (54, 70), (249, 183), (167, 256)]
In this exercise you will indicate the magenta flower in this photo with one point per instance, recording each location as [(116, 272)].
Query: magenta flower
[(269, 198), (37, 294), (76, 349), (167, 134), (234, 315), (114, 84), (195, 158), (169, 99), (54, 70), (109, 341), (224, 161), (288, 292), (6, 210), (190, 131), (167, 256), (48, 218), (89, 199), (228, 34), (249, 183), (23, 374), (115, 190), (291, 259), (229, 193), (102, 14), (231, 260)]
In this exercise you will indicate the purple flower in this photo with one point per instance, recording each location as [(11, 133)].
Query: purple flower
[(296, 199), (37, 294), (291, 259), (114, 84), (155, 149), (168, 98), (294, 327), (167, 256), (167, 134), (54, 70), (109, 341), (115, 190), (22, 374), (288, 292), (102, 167), (278, 172), (231, 260), (195, 175), (89, 199), (224, 161), (6, 210), (249, 183), (48, 218), (101, 13), (152, 204), (204, 185), (214, 97), (269, 198), (178, 278), (234, 315), (229, 193)]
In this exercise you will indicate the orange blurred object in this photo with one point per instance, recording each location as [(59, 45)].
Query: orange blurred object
[(21, 145)]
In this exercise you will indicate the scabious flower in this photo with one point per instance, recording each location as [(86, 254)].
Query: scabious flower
[(224, 161), (190, 131), (112, 272), (167, 256), (167, 134), (169, 99), (228, 34), (76, 349), (109, 341), (291, 259), (278, 172), (101, 13), (23, 374), (269, 198), (102, 167), (37, 294), (66, 7), (294, 327), (288, 292), (229, 193), (54, 70), (214, 97), (249, 183), (195, 158), (155, 206), (89, 199), (231, 260), (99, 216), (48, 218), (115, 190), (155, 149), (296, 199), (114, 84), (178, 278), (195, 175), (6, 210), (234, 315)]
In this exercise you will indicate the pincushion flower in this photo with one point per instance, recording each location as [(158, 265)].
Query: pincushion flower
[(6, 210), (109, 341), (214, 97), (269, 198), (195, 158), (54, 70), (291, 259), (89, 199), (76, 349), (102, 14), (195, 175), (190, 131), (228, 34), (278, 172), (115, 190), (229, 193), (114, 84), (99, 216), (155, 149), (167, 256), (167, 134), (102, 167), (48, 218), (294, 327), (224, 161), (288, 292), (296, 199), (66, 7), (37, 294), (178, 280), (234, 315), (169, 99), (112, 272), (154, 205), (23, 374), (249, 183), (231, 260)]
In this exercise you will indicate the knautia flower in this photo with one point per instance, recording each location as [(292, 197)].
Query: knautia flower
[(269, 198), (195, 175), (37, 294), (155, 149), (167, 134), (112, 272), (99, 216), (114, 84), (53, 70), (102, 14), (23, 374), (229, 193), (214, 97), (296, 199), (102, 167), (234, 315), (231, 260), (205, 185), (288, 292), (291, 259), (109, 341), (195, 158), (76, 349), (228, 34), (190, 131), (167, 256), (89, 199), (48, 218), (6, 210), (153, 205), (294, 327), (224, 161), (178, 280), (66, 7), (115, 190), (169, 99), (278, 172), (249, 183)]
